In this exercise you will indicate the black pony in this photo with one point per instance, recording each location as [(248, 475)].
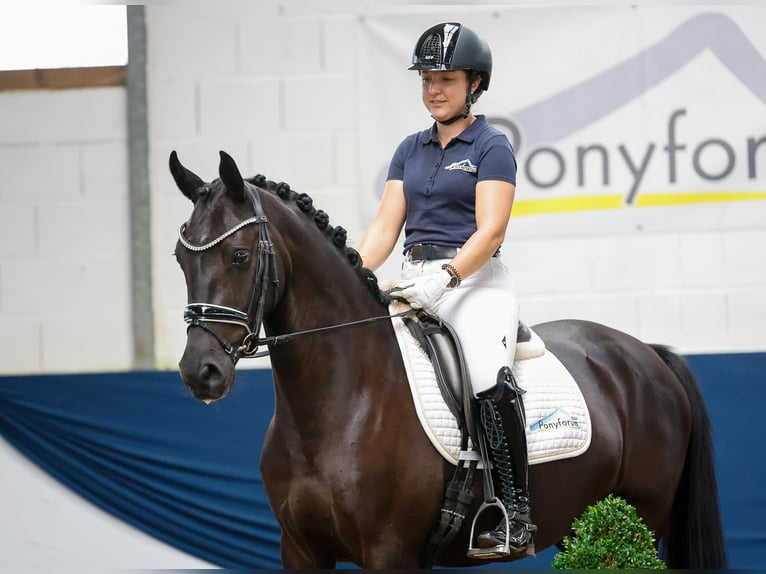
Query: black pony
[(348, 470)]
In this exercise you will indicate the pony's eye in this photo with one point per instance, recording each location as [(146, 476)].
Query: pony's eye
[(240, 257)]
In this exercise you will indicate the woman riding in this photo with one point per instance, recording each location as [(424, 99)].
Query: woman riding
[(452, 187)]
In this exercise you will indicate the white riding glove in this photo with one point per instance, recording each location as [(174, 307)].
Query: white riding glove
[(423, 292)]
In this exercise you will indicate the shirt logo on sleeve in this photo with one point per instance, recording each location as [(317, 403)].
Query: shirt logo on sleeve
[(462, 165)]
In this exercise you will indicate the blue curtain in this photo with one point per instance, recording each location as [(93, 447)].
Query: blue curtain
[(139, 446)]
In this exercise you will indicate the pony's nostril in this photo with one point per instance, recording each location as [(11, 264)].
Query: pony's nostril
[(208, 373)]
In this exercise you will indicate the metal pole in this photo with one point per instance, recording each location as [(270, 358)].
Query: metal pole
[(142, 308)]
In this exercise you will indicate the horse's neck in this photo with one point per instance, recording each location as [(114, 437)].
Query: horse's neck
[(320, 292), (330, 373)]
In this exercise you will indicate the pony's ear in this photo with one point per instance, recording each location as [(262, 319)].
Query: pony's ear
[(231, 177), (188, 182)]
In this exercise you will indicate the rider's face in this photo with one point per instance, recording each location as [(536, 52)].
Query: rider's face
[(444, 92)]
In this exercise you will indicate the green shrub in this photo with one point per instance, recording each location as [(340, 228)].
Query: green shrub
[(609, 535)]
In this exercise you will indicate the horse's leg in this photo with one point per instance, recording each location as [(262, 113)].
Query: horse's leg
[(299, 557)]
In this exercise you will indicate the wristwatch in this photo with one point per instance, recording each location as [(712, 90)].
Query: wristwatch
[(454, 276)]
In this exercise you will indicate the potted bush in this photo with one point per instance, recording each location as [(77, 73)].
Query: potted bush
[(609, 535)]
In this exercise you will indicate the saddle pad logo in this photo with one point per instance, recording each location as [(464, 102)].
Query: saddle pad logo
[(558, 419), (462, 165)]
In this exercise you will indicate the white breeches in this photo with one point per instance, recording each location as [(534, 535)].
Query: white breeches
[(484, 312)]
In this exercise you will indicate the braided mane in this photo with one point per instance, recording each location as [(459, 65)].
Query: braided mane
[(337, 235)]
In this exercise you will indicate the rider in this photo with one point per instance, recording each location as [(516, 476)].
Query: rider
[(452, 187)]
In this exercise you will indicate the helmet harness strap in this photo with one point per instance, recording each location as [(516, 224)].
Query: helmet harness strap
[(469, 99)]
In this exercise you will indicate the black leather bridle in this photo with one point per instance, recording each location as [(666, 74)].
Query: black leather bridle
[(202, 314)]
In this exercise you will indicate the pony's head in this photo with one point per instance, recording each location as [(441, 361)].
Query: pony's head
[(236, 275), (228, 260)]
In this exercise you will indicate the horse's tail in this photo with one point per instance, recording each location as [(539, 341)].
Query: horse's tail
[(695, 535)]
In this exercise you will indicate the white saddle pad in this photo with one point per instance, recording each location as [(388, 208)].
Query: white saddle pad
[(558, 422)]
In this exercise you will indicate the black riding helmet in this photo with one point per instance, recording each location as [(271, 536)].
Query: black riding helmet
[(452, 46)]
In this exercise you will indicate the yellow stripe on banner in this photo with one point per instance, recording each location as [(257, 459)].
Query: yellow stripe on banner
[(595, 202), (564, 204), (654, 199)]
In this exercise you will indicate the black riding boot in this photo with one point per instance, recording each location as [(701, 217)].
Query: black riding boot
[(503, 419)]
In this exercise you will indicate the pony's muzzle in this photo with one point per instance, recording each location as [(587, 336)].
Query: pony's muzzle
[(207, 375)]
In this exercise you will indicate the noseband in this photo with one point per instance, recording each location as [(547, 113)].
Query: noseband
[(202, 314)]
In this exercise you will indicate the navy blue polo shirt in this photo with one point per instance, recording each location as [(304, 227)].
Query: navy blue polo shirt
[(440, 184)]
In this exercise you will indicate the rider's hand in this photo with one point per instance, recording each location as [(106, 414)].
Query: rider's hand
[(423, 292)]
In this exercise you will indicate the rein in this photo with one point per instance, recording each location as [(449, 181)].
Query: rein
[(277, 339), (197, 314), (200, 314)]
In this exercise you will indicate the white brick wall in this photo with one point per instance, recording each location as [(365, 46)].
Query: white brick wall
[(277, 85), (634, 270), (64, 261), (272, 85), (68, 116)]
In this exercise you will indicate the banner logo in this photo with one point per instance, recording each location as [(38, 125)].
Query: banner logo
[(578, 169)]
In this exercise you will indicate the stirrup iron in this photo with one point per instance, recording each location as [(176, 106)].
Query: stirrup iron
[(499, 551)]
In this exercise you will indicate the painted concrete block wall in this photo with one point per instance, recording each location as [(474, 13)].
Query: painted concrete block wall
[(64, 300), (272, 88), (670, 288), (276, 87)]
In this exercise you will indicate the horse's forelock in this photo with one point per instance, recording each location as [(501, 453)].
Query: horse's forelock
[(213, 205)]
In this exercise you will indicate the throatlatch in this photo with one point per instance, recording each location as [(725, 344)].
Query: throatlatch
[(503, 442)]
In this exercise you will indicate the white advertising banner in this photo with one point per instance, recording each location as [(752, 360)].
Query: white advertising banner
[(623, 118)]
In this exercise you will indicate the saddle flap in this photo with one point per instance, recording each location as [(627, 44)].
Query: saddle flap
[(441, 346)]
